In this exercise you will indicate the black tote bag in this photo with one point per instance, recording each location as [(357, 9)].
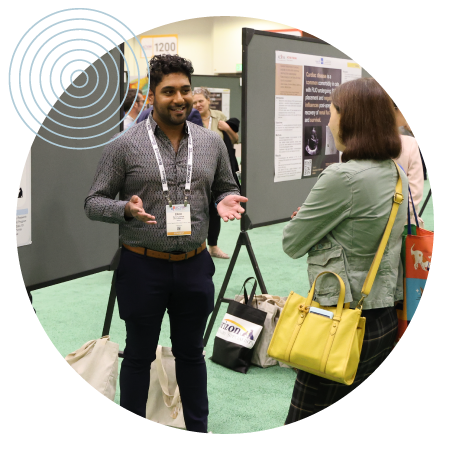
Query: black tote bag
[(238, 333)]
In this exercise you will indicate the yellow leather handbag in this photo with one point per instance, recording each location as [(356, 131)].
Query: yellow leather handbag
[(316, 344), (329, 348)]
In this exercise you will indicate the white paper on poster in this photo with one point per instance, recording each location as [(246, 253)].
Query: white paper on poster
[(293, 157), (288, 137), (220, 100), (288, 116), (23, 213)]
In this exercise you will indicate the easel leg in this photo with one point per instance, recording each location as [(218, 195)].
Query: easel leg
[(112, 293), (425, 203), (247, 243), (110, 307), (243, 239)]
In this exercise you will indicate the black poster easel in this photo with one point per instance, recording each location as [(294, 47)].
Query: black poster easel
[(243, 240), (425, 203), (112, 296)]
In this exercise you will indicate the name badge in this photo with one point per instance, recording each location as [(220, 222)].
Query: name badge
[(178, 219)]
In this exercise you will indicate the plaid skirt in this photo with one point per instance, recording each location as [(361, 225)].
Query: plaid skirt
[(313, 394)]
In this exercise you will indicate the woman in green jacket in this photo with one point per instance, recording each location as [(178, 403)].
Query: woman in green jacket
[(340, 226)]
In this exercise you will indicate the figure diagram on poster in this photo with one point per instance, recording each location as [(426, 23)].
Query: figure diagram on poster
[(312, 143)]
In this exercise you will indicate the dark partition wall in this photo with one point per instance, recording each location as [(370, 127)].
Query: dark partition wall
[(232, 83), (269, 202), (65, 243)]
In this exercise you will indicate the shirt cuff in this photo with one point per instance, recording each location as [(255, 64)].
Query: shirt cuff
[(116, 212)]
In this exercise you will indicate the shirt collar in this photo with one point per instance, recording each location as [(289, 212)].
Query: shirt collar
[(214, 113)]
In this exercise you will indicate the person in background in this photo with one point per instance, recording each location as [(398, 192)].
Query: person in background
[(405, 130), (212, 119), (402, 124), (340, 226), (411, 161), (234, 124), (133, 106), (217, 121)]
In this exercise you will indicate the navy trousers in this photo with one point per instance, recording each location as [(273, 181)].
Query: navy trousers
[(146, 288)]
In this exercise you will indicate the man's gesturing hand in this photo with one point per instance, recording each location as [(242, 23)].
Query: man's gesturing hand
[(230, 209), (135, 208)]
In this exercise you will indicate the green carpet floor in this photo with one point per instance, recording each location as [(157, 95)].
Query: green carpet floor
[(73, 312)]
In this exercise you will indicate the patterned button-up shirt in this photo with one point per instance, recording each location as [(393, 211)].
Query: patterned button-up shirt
[(128, 167)]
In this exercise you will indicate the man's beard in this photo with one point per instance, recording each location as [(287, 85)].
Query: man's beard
[(166, 116)]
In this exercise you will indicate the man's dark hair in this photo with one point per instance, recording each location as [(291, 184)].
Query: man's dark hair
[(367, 125), (161, 65), (131, 97)]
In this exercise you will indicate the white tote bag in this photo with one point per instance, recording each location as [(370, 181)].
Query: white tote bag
[(272, 305), (164, 402), (97, 362)]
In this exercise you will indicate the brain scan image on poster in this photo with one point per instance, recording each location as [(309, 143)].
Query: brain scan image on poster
[(313, 141)]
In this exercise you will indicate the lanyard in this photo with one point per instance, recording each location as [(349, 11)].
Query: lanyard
[(162, 171)]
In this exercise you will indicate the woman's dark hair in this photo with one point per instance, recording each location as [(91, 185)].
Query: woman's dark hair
[(367, 124), (161, 65)]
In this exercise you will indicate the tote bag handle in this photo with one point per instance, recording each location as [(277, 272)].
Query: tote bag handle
[(169, 400), (73, 357), (248, 300), (410, 199)]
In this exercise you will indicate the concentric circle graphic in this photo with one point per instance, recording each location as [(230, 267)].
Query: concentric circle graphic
[(64, 77)]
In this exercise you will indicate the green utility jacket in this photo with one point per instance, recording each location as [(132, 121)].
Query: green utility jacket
[(340, 227)]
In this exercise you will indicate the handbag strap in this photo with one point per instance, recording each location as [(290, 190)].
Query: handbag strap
[(370, 278)]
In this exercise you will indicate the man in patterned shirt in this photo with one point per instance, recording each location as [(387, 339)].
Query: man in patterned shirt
[(165, 170)]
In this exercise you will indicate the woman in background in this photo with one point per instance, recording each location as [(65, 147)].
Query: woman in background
[(340, 226), (217, 121), (412, 163)]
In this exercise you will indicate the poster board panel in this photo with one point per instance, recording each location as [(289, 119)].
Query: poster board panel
[(269, 201), (65, 243)]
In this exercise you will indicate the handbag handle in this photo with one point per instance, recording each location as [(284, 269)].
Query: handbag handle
[(248, 300), (340, 304), (370, 278)]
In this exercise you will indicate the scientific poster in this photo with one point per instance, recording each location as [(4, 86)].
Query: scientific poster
[(220, 100), (23, 214), (304, 145)]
